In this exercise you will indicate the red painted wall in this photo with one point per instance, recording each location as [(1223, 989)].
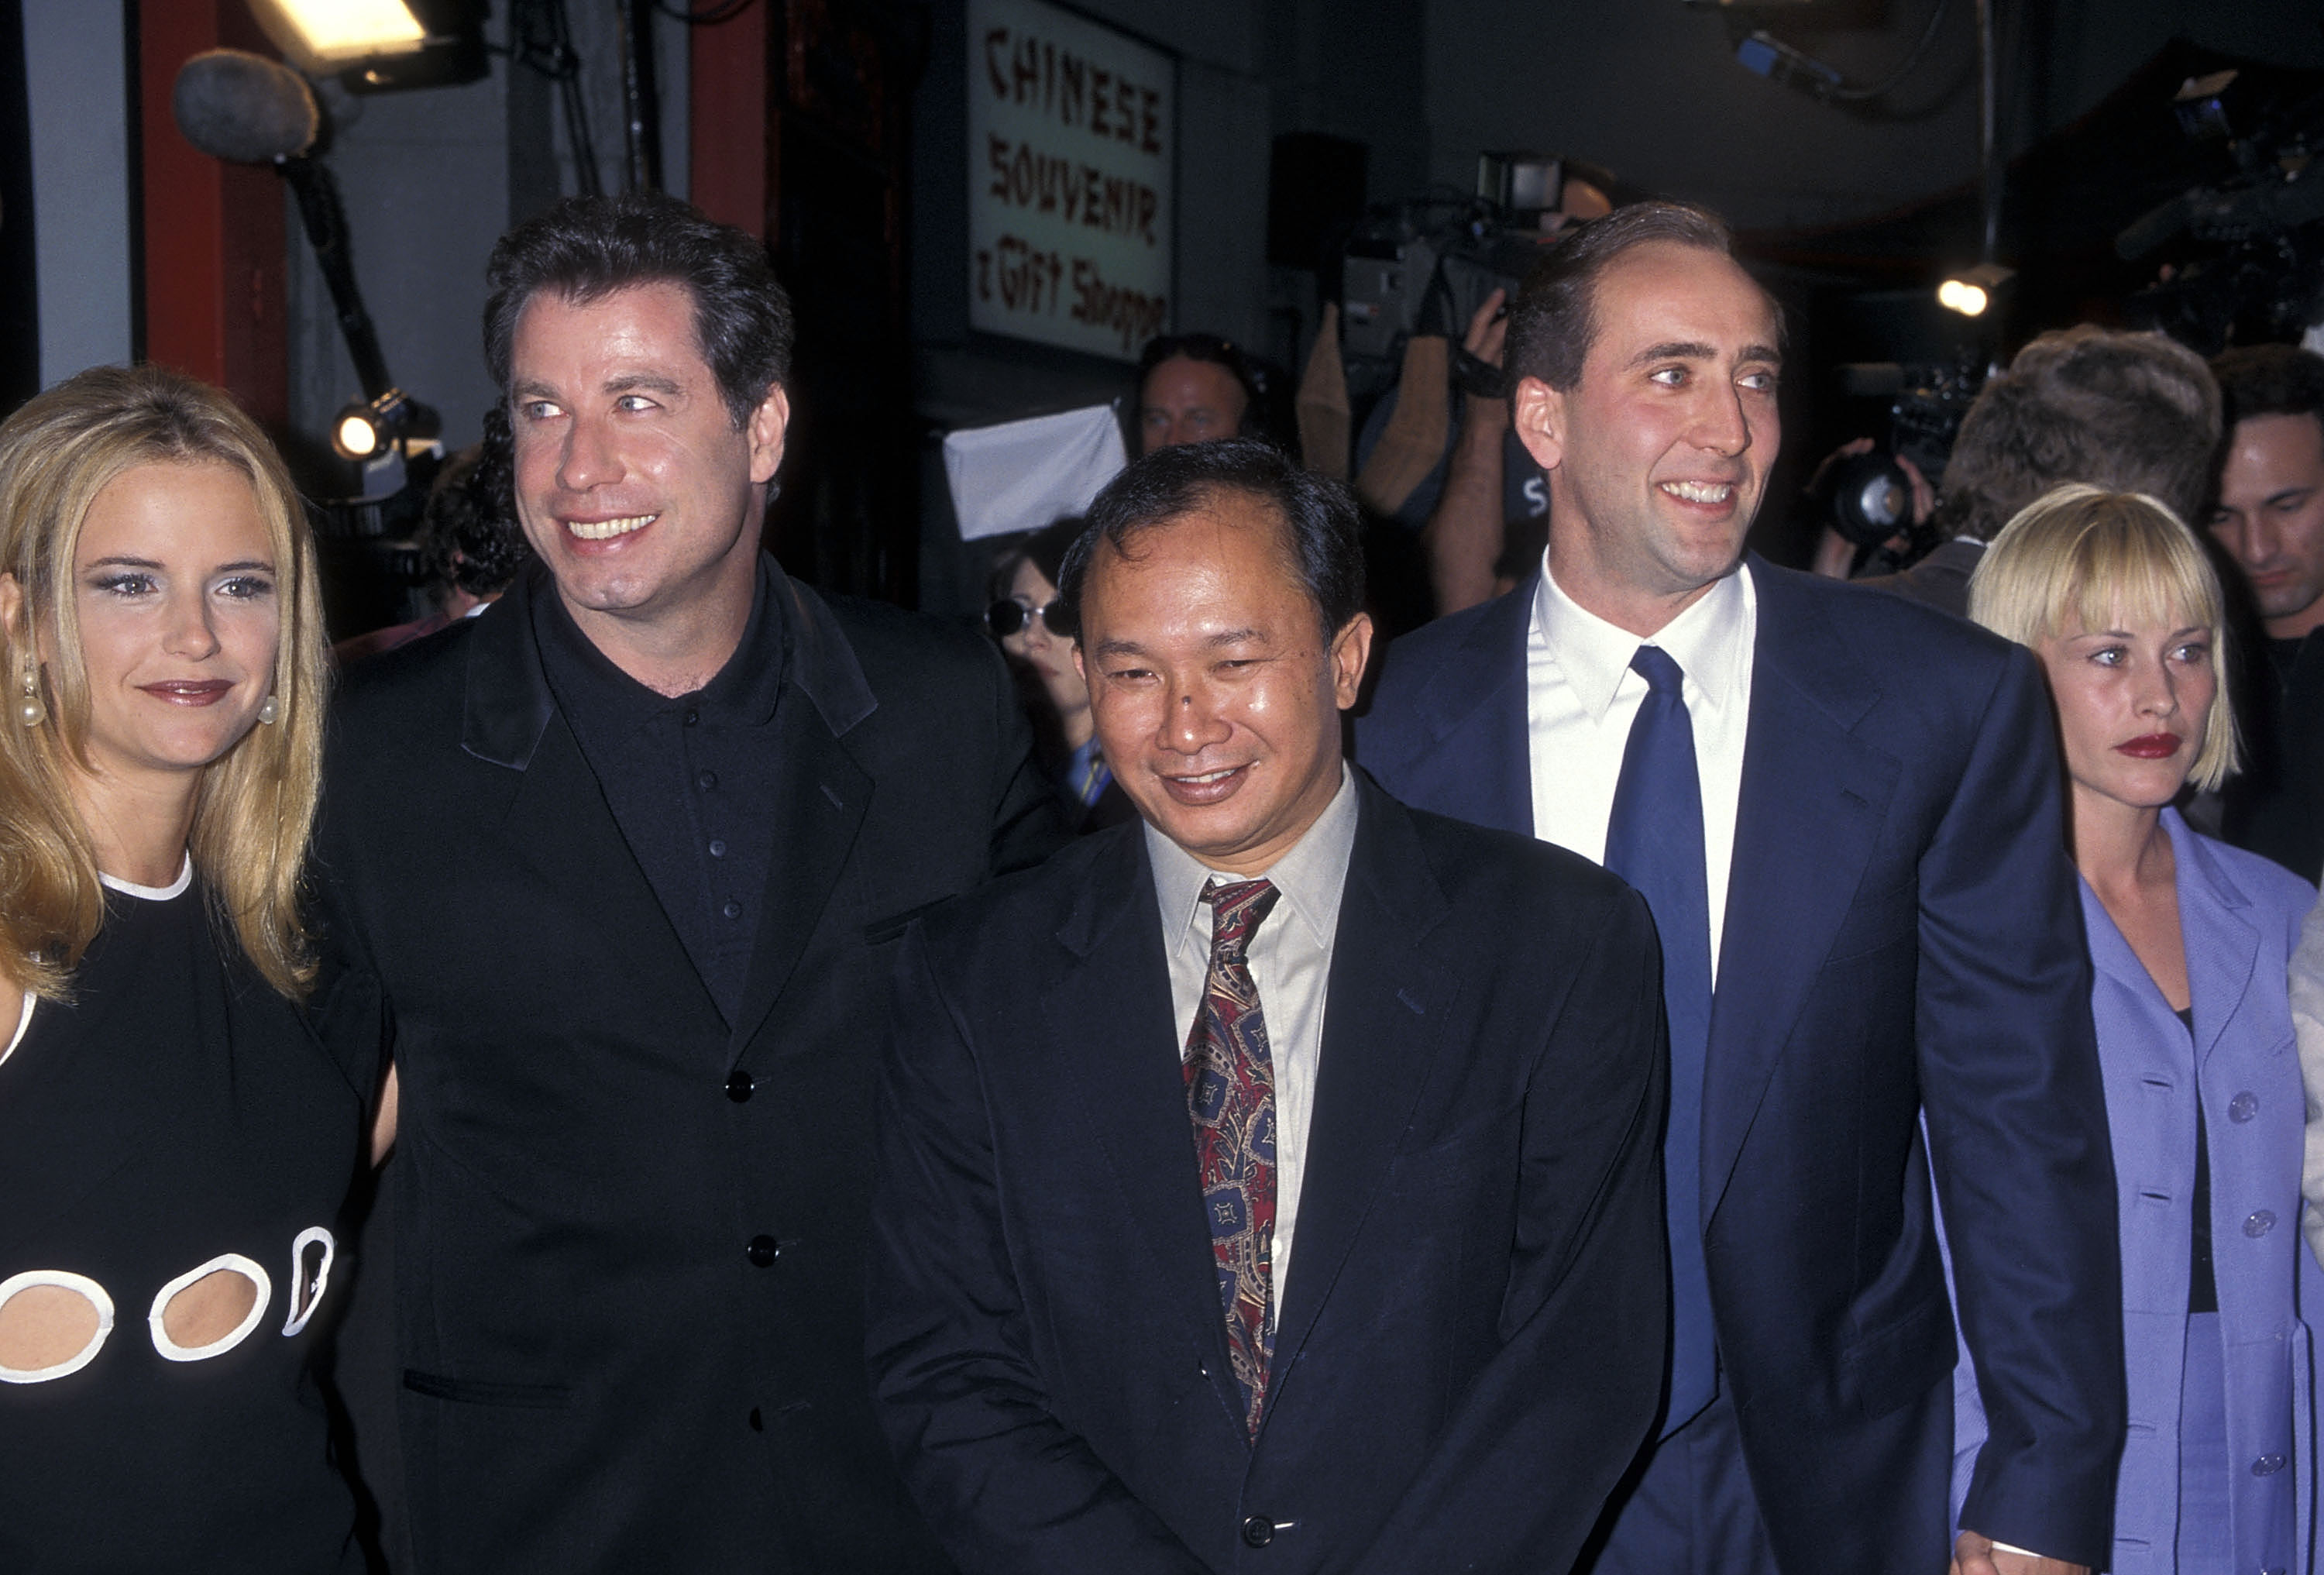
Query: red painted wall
[(214, 232)]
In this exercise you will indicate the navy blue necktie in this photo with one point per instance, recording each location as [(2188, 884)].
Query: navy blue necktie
[(1654, 841)]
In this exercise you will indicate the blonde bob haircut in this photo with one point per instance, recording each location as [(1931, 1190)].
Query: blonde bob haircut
[(2079, 558), (255, 806)]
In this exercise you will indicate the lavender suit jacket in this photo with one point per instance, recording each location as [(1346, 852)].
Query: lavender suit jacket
[(2241, 917)]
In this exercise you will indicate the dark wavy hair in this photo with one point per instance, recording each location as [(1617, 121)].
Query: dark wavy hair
[(469, 535), (1320, 521), (585, 248), (2269, 380)]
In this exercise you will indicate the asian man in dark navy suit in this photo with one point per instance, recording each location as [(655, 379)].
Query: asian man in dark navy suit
[(1283, 1012)]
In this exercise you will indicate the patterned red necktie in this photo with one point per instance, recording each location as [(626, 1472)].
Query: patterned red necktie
[(1231, 1092)]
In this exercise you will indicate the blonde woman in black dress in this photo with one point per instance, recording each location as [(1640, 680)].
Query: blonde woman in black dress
[(175, 1146)]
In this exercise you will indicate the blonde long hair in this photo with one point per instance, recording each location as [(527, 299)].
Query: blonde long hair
[(255, 806)]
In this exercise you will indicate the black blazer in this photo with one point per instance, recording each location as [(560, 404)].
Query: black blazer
[(629, 1236), (1472, 1348), (1902, 934)]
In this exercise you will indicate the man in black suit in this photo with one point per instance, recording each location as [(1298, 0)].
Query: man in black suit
[(626, 859), (1283, 1010)]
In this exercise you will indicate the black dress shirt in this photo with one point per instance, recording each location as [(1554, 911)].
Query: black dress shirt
[(691, 780)]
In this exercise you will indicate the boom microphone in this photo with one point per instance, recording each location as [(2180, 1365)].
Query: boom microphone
[(245, 108)]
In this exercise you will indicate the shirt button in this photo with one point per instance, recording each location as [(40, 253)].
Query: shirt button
[(738, 1085), (1258, 1532), (717, 847), (692, 716), (762, 1250), (2259, 1222), (707, 780), (2243, 1108), (2267, 1465), (731, 908)]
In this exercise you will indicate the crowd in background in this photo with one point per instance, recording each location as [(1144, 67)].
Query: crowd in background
[(1899, 1166)]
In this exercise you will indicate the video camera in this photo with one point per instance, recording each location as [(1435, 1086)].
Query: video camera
[(1868, 497), (1425, 265), (2247, 252)]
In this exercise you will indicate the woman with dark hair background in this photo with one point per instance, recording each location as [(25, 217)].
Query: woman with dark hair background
[(1031, 625)]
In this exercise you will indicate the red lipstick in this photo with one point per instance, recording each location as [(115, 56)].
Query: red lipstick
[(190, 691), (2152, 746)]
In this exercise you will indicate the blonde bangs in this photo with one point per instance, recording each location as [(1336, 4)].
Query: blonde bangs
[(2079, 559)]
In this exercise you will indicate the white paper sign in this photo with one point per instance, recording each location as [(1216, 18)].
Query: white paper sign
[(1072, 131), (1021, 476)]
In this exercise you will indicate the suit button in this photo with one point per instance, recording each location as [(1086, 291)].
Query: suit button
[(2267, 1465), (757, 1423), (762, 1250), (2259, 1222), (1258, 1532), (2243, 1108), (738, 1085)]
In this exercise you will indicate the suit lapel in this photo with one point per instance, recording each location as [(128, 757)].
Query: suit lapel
[(819, 805), (559, 824), (820, 798), (1110, 1017), (2222, 943), (556, 822), (1385, 1008), (1813, 797), (1480, 769)]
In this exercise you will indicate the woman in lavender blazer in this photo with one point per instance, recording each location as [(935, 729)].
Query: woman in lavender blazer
[(2190, 940)]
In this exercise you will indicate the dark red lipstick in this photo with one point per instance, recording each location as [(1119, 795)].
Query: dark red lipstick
[(190, 691), (2152, 746)]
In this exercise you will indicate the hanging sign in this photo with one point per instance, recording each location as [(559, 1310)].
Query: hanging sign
[(1072, 129)]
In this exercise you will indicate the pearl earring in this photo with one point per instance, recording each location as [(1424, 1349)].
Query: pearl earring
[(268, 710), (30, 711)]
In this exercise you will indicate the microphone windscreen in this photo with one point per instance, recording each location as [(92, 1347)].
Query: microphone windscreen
[(244, 108)]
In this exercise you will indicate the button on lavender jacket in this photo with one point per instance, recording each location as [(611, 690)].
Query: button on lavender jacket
[(2241, 917)]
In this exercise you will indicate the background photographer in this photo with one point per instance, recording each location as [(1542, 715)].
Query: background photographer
[(2128, 412), (1195, 387)]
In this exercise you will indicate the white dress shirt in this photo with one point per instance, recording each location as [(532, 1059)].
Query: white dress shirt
[(1582, 697), (1290, 956)]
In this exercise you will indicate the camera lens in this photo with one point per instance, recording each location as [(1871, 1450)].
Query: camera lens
[(1871, 498)]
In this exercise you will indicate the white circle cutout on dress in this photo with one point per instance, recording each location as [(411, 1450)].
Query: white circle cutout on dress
[(232, 1337), (64, 1280), (305, 1297)]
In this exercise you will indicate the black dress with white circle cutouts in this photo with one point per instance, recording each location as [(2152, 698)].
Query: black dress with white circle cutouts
[(175, 1120)]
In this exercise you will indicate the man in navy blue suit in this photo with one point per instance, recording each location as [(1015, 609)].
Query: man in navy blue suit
[(1284, 1012), (1845, 812)]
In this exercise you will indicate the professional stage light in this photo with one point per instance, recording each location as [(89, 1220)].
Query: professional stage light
[(367, 430), (373, 45), (1971, 291)]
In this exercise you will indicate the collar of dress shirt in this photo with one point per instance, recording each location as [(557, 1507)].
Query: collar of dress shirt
[(1311, 876), (744, 692), (1710, 641)]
